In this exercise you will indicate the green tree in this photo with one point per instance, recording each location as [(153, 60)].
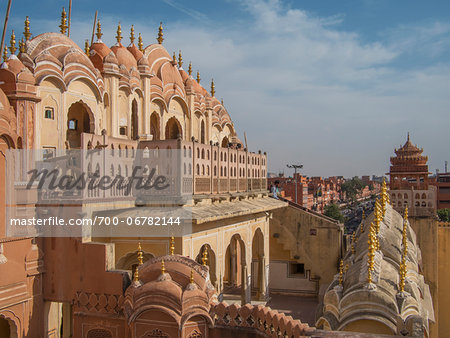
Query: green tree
[(332, 210), (352, 188), (444, 215)]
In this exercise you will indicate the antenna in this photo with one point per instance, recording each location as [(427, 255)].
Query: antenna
[(70, 16), (93, 28)]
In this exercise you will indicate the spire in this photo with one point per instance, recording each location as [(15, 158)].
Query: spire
[(341, 272), (353, 242), (26, 32), (140, 255), (408, 140), (213, 88), (180, 59), (132, 34), (205, 256), (221, 102), (198, 77), (5, 54), (12, 46), (22, 45), (63, 25), (172, 246), (86, 47), (163, 268), (99, 31), (119, 33), (160, 38), (140, 43), (190, 69), (174, 57)]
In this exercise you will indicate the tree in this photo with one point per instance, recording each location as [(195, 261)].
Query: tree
[(444, 215), (332, 210), (352, 188)]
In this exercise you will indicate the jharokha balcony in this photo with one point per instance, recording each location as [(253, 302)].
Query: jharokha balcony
[(192, 169)]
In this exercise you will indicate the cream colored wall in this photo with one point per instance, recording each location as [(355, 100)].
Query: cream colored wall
[(444, 280), (319, 253), (426, 230), (368, 326)]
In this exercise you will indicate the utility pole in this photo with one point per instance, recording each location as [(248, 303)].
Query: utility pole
[(295, 166)]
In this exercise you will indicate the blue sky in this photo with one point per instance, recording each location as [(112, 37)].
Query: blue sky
[(334, 85)]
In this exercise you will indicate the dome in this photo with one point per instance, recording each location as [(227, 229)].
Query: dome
[(135, 52), (124, 57)]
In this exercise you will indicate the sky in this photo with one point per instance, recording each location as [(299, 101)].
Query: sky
[(333, 85)]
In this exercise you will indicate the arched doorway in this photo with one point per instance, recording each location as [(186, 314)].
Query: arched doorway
[(173, 129), (154, 126), (134, 120), (130, 261), (79, 120), (235, 276), (259, 277), (225, 142), (7, 328), (211, 263), (202, 132)]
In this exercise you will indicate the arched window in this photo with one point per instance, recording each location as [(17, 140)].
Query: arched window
[(198, 169)]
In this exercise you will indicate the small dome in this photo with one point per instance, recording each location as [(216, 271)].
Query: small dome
[(135, 51), (124, 57)]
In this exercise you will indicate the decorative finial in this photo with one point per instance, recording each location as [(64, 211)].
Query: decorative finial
[(12, 47), (26, 32), (86, 47), (221, 102), (174, 58), (180, 59), (140, 43), (163, 268), (172, 246), (353, 243), (119, 33), (99, 31), (408, 137), (5, 54), (341, 272), (371, 253), (63, 25), (402, 272), (140, 255), (190, 69), (198, 77), (363, 215), (160, 34), (205, 255), (22, 46), (192, 277), (132, 34), (136, 274), (213, 88)]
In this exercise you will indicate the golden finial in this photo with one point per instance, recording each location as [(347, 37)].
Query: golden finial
[(5, 54), (172, 246), (370, 253), (140, 255), (213, 88), (63, 25), (341, 272), (163, 268), (136, 274), (198, 77), (26, 32), (192, 277), (86, 47), (353, 243), (12, 47), (180, 59), (132, 34), (405, 214), (402, 272), (221, 102), (160, 34), (22, 46), (119, 33), (99, 31), (363, 215), (140, 43), (190, 69), (204, 255), (174, 57)]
